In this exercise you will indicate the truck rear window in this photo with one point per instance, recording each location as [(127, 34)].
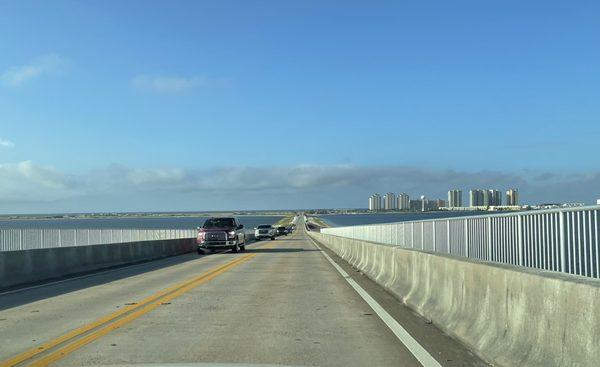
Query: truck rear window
[(219, 223)]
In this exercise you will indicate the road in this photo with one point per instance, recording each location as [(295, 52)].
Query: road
[(281, 302)]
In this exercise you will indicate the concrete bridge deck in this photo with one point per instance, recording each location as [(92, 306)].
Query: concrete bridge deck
[(282, 302)]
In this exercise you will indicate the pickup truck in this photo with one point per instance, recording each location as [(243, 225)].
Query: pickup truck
[(221, 233)]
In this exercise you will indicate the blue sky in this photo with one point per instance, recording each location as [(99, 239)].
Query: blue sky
[(190, 105)]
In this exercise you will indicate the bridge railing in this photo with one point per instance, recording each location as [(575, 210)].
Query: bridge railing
[(561, 240), (15, 239)]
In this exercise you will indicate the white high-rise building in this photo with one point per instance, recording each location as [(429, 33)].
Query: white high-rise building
[(403, 201), (454, 198), (389, 201), (512, 197), (375, 202)]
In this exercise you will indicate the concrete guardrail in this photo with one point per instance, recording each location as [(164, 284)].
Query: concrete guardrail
[(509, 316), (27, 266)]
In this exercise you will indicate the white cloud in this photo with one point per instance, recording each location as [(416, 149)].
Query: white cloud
[(120, 187), (46, 65), (166, 84), (26, 181), (6, 143)]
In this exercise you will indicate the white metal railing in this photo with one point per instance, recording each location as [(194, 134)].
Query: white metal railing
[(14, 239), (562, 240)]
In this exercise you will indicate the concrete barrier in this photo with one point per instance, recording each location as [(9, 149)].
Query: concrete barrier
[(27, 266), (509, 316)]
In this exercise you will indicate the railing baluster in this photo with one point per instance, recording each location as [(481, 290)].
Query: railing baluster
[(596, 243), (577, 242)]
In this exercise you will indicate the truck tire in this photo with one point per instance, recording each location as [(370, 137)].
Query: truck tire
[(272, 238), (235, 249), (200, 252)]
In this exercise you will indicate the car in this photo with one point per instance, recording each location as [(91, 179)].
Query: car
[(264, 231), (281, 231), (221, 233)]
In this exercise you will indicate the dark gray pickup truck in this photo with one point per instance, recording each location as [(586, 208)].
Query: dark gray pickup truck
[(221, 233)]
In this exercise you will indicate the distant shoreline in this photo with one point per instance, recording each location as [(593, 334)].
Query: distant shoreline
[(241, 213), (10, 217)]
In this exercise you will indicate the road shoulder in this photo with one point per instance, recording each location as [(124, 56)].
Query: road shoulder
[(446, 350)]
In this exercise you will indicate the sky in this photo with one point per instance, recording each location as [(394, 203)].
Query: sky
[(218, 105)]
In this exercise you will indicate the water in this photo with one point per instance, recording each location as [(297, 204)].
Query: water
[(249, 221), (338, 220)]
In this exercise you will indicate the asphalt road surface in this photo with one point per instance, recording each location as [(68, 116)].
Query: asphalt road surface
[(281, 302)]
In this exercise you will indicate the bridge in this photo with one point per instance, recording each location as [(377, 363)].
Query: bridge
[(504, 290)]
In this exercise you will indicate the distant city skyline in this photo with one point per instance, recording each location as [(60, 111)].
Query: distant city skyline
[(478, 198), (152, 106)]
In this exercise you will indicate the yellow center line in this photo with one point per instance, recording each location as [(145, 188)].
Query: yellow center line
[(106, 319), (68, 349), (104, 324)]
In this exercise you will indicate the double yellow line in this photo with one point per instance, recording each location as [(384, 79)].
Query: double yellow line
[(75, 339)]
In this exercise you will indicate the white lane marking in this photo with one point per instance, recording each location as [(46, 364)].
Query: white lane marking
[(405, 338)]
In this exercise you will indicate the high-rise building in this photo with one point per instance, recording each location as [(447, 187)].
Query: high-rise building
[(423, 203), (487, 197), (375, 202), (403, 202), (389, 201), (476, 198), (512, 197), (415, 205), (495, 198), (454, 198)]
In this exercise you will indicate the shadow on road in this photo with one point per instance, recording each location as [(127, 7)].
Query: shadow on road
[(24, 294), (279, 239), (32, 292)]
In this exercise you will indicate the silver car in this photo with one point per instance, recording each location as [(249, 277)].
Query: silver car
[(264, 231)]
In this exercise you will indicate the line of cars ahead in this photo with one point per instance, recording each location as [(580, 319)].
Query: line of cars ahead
[(227, 233)]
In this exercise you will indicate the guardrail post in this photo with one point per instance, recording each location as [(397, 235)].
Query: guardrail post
[(597, 242), (41, 238), (489, 238), (422, 236), (412, 234), (88, 236), (448, 234), (563, 255), (466, 238), (434, 246), (521, 242), (20, 239)]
